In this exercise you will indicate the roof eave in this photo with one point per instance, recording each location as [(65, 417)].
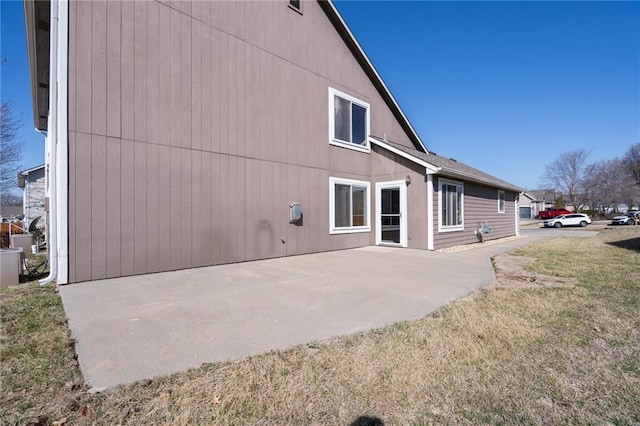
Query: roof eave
[(464, 176), (429, 168), (37, 16), (362, 58)]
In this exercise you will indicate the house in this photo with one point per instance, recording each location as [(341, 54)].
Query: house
[(188, 134), (528, 206), (32, 182)]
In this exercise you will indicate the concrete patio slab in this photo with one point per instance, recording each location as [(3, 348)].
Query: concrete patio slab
[(128, 329)]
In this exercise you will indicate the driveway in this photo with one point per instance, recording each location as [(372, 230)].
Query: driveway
[(139, 327)]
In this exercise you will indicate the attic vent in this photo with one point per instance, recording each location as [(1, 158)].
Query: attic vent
[(296, 5), (453, 159)]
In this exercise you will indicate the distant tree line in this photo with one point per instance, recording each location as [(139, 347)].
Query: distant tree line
[(600, 186)]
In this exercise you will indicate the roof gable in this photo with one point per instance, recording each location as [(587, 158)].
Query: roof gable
[(358, 52)]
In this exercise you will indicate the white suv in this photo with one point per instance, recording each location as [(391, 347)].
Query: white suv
[(627, 219), (573, 219)]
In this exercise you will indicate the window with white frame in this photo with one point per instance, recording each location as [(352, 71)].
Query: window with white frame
[(349, 202), (501, 201), (451, 202), (348, 121)]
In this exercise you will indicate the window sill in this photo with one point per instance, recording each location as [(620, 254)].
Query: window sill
[(350, 230), (451, 229), (354, 147)]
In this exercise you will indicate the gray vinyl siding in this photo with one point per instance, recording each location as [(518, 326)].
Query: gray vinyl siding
[(480, 205), (194, 125)]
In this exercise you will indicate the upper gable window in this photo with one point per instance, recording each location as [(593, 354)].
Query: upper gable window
[(501, 201), (348, 121), (296, 5)]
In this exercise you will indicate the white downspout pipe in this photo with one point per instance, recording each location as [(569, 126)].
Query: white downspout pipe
[(56, 142)]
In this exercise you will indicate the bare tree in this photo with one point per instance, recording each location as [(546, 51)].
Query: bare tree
[(10, 151), (631, 161), (566, 173)]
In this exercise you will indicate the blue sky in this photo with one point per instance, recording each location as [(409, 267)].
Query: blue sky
[(502, 86), (14, 78), (508, 86)]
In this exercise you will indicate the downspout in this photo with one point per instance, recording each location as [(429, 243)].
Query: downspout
[(56, 141), (430, 231)]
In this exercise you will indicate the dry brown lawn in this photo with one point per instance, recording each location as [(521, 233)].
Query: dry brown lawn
[(555, 340)]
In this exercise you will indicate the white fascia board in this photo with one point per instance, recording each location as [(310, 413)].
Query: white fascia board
[(31, 170), (430, 168)]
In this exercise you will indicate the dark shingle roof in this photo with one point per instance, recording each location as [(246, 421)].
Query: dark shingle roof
[(453, 168)]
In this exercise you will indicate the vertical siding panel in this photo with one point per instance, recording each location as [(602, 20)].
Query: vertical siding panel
[(99, 68), (206, 85), (186, 208), (216, 90), (240, 112), (113, 68), (196, 212), (185, 77), (196, 9), (128, 76), (140, 70), (251, 215), (83, 96), (164, 208), (196, 83), (114, 212), (206, 13), (73, 61), (250, 126), (153, 208), (206, 216), (73, 210), (176, 208), (224, 90), (217, 206), (83, 207), (175, 59), (152, 72), (240, 196), (223, 201), (232, 99), (164, 75), (140, 207), (127, 206), (98, 207)]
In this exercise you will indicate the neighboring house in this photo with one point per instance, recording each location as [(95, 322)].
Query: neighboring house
[(528, 206), (32, 182), (182, 134), (541, 199), (9, 212)]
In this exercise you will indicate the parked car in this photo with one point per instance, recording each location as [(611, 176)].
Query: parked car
[(626, 219), (573, 219), (553, 212)]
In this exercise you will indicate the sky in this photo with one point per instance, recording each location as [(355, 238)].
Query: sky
[(14, 79), (505, 87)]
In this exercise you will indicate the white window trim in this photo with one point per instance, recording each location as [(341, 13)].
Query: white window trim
[(332, 140), (455, 228), (332, 212), (504, 204)]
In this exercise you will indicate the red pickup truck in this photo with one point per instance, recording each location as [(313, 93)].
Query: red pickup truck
[(552, 212)]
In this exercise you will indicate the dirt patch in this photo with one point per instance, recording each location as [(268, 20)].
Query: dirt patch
[(511, 273)]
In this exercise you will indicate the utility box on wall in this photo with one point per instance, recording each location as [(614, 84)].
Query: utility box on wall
[(295, 213)]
